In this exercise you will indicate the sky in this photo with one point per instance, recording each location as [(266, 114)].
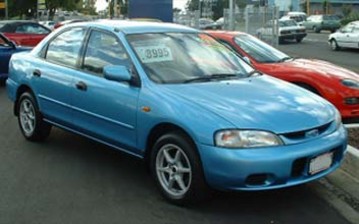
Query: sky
[(101, 4)]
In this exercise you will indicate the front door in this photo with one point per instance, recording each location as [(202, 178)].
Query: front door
[(105, 109)]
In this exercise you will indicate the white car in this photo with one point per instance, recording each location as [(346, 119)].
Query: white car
[(288, 30), (346, 37)]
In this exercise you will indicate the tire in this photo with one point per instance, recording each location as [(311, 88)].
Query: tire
[(177, 170), (316, 29), (334, 45), (299, 40), (30, 120)]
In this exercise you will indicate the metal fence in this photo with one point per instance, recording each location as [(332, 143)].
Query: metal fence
[(257, 21)]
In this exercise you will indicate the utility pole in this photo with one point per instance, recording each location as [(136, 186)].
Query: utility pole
[(231, 17), (115, 9), (6, 10), (308, 7)]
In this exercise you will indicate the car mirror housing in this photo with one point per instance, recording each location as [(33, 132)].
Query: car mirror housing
[(117, 73)]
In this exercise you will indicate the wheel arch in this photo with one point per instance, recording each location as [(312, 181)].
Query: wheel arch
[(161, 129), (308, 87), (22, 89)]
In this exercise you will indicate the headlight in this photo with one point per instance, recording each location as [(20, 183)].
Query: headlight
[(338, 119), (246, 139), (350, 83)]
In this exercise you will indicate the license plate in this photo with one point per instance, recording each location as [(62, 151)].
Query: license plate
[(320, 163)]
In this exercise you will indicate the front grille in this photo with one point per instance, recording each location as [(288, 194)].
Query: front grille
[(302, 134)]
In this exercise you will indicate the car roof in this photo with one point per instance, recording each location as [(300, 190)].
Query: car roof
[(224, 32), (355, 22), (133, 27)]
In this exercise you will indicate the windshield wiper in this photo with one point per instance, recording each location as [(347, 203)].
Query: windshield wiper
[(208, 78), (254, 72), (285, 59)]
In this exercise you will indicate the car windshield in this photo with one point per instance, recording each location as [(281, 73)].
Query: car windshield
[(259, 50), (186, 57), (285, 23)]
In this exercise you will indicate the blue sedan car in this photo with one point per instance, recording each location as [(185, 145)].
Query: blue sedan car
[(199, 115), (7, 48)]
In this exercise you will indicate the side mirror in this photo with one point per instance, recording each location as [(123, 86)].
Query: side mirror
[(12, 44), (117, 73), (246, 59)]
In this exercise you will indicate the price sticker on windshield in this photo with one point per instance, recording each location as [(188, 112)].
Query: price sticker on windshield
[(158, 53)]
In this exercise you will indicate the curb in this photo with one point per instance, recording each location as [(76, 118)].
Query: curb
[(351, 162), (341, 188)]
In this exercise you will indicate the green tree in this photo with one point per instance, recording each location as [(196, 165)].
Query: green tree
[(53, 5), (346, 10), (326, 6)]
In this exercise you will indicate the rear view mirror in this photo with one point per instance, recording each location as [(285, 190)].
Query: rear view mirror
[(117, 73)]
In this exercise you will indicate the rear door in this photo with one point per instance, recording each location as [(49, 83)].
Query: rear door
[(53, 75)]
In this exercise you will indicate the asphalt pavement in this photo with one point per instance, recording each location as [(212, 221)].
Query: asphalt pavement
[(70, 179)]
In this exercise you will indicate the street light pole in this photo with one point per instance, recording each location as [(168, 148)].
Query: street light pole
[(231, 17), (6, 10)]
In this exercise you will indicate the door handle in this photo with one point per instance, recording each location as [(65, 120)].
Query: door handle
[(36, 73), (81, 86)]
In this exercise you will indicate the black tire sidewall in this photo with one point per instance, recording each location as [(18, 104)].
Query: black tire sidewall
[(42, 129), (198, 189)]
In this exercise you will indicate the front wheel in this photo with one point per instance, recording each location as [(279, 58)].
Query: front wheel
[(30, 119), (334, 45), (177, 170), (298, 39)]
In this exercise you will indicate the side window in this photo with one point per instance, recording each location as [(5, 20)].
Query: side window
[(36, 29), (229, 46), (356, 29), (65, 48), (104, 49), (21, 29)]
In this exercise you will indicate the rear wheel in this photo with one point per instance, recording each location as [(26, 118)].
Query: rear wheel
[(177, 169), (299, 39), (31, 124)]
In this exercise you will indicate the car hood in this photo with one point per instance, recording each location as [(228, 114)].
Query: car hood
[(260, 102), (313, 66), (23, 48)]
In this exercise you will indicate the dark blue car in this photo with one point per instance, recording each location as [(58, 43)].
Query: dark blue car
[(7, 48)]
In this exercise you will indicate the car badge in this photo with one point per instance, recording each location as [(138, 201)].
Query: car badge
[(312, 133)]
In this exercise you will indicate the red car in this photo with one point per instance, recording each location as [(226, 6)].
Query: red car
[(338, 85), (25, 33)]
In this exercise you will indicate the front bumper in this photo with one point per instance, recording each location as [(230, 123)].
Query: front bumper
[(271, 167), (292, 36)]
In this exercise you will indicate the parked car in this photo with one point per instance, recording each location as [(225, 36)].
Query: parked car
[(318, 23), (26, 33), (208, 24), (190, 107), (298, 17), (49, 24), (7, 48), (67, 22), (347, 37), (288, 30), (338, 85)]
